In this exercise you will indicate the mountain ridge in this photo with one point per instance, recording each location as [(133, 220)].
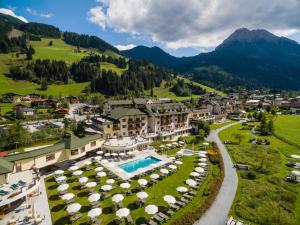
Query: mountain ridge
[(257, 58)]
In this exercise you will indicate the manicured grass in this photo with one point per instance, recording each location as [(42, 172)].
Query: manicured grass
[(219, 125), (259, 198), (288, 127), (156, 193)]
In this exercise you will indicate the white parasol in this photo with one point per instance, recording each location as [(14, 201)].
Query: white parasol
[(164, 171), (125, 185), (194, 174), (67, 196), (94, 213), (98, 169), (117, 198), (169, 199), (142, 195), (106, 187), (191, 182), (101, 174), (73, 168), (77, 173), (122, 213), (62, 187), (182, 189), (59, 172), (83, 180), (154, 176), (94, 197), (73, 208), (110, 181), (151, 209), (199, 170), (91, 184), (142, 182)]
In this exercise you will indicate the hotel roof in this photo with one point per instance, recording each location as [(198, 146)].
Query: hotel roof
[(69, 143), (120, 112)]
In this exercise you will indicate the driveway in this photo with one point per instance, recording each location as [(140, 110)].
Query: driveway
[(217, 214)]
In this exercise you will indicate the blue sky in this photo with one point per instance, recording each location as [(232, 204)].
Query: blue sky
[(182, 28)]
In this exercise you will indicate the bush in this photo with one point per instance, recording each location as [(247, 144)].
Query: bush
[(250, 175)]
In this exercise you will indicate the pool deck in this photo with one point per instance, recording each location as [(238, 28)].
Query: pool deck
[(124, 175)]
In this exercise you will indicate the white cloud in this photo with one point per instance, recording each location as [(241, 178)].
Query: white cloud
[(35, 13), (12, 13), (195, 23), (97, 16), (46, 15), (125, 47)]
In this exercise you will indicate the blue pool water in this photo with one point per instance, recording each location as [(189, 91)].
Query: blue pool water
[(134, 165)]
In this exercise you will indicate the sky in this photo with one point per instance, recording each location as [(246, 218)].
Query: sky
[(181, 28)]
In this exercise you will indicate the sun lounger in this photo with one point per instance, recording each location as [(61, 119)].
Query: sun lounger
[(164, 216), (174, 206), (188, 196), (180, 203), (184, 200), (14, 187), (21, 183), (129, 219), (3, 193), (158, 218), (152, 222), (76, 217), (229, 221)]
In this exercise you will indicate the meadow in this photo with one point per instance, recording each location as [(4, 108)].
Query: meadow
[(288, 127), (264, 196), (58, 51)]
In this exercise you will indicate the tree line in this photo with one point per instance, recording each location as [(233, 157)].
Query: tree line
[(95, 58), (182, 88), (87, 41), (139, 77)]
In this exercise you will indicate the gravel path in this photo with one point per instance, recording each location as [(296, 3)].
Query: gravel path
[(219, 210)]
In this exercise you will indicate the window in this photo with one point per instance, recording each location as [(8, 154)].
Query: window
[(50, 157), (124, 120), (124, 126), (108, 126), (82, 149), (93, 144), (74, 152)]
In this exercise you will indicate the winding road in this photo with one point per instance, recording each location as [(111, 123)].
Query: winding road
[(217, 214)]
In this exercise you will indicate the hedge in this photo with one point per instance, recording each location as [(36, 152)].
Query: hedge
[(210, 193)]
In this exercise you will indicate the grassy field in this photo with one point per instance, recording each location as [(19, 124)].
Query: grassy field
[(288, 127), (219, 125), (264, 196), (165, 92)]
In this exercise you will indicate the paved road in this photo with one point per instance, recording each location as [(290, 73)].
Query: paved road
[(218, 212)]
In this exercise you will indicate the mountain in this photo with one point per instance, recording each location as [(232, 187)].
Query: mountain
[(36, 31), (154, 54), (248, 58)]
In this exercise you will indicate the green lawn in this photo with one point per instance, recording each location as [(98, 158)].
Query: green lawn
[(264, 196), (156, 193), (215, 126), (288, 127)]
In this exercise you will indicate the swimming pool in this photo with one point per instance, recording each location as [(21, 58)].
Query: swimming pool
[(134, 165)]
